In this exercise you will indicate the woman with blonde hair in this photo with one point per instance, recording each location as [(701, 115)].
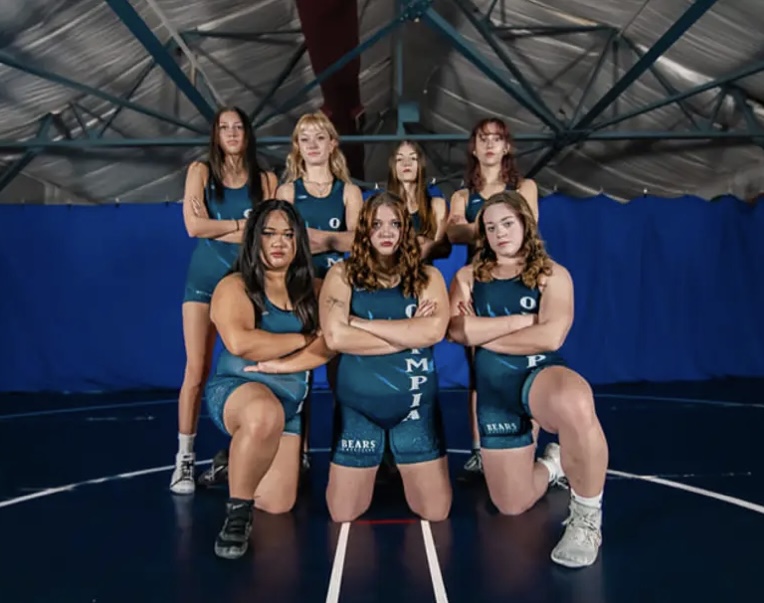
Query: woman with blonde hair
[(317, 182)]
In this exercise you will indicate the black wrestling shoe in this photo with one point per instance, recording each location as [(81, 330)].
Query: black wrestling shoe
[(217, 474), (233, 540)]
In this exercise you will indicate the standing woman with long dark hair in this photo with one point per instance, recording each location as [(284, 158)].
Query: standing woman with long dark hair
[(219, 194), (491, 169)]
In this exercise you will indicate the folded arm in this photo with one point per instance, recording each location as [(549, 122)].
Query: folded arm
[(458, 230), (334, 313), (231, 312), (469, 330), (315, 354), (554, 320), (420, 331), (195, 216)]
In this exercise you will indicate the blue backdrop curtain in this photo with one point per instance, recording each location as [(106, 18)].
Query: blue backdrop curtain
[(666, 289)]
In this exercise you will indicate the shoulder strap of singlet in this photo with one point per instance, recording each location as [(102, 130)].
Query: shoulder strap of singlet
[(299, 187)]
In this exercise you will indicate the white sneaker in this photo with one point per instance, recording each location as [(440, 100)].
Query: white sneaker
[(582, 539), (182, 480)]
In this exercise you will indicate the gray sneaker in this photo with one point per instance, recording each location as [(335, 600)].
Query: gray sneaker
[(474, 464), (581, 541)]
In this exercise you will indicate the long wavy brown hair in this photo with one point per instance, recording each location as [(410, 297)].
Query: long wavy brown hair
[(423, 201), (509, 172), (363, 267), (537, 261), (295, 164)]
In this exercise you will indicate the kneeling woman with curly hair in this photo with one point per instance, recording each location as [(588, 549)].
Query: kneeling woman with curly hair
[(383, 309), (515, 306)]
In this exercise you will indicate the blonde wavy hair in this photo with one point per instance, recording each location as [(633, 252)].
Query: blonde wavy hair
[(537, 261), (363, 268), (295, 164)]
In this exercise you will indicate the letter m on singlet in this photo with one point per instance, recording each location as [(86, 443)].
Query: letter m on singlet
[(413, 363)]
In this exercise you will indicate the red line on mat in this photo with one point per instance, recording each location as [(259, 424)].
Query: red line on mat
[(382, 522)]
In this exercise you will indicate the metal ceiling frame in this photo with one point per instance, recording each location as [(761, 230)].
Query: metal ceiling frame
[(144, 34), (553, 132)]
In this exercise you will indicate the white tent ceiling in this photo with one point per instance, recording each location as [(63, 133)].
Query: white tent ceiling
[(84, 41)]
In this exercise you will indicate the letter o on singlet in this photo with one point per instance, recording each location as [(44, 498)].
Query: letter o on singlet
[(527, 303), (410, 310), (247, 212), (334, 222)]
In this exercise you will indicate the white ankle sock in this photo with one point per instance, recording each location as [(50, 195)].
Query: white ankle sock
[(186, 443), (554, 471), (476, 444), (593, 502)]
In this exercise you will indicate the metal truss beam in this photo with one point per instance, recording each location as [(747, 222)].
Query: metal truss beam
[(578, 131), (11, 61), (687, 20), (717, 107), (593, 77), (398, 71), (252, 36), (717, 83), (22, 162), (750, 119), (381, 33), (460, 137), (489, 12), (661, 80), (81, 122), (279, 81), (142, 32), (443, 27), (181, 43), (515, 32), (106, 143), (537, 105), (133, 89)]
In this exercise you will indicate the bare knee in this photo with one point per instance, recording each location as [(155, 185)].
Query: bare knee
[(434, 510), (344, 513), (277, 504), (346, 510), (512, 505), (261, 422), (575, 411), (197, 371)]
